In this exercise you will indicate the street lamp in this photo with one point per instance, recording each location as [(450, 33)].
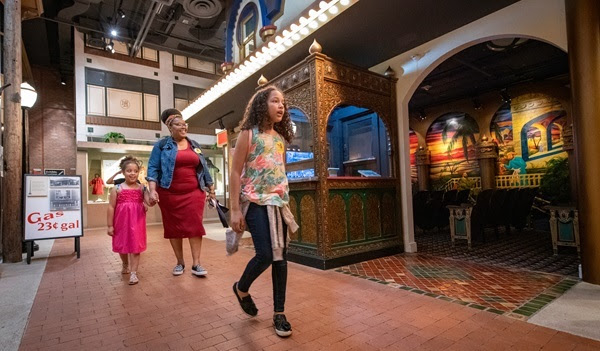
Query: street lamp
[(28, 95)]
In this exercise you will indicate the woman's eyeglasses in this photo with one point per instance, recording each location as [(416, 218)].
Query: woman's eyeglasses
[(180, 125)]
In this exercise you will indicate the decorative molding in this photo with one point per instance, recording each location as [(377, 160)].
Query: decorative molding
[(567, 136), (423, 157), (121, 57), (193, 72), (121, 122), (486, 149)]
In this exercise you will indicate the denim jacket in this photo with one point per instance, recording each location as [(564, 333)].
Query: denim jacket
[(162, 164)]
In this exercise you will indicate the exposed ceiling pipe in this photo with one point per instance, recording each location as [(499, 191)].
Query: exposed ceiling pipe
[(158, 8), (137, 44)]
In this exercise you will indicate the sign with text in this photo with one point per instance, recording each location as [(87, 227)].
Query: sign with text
[(54, 171), (52, 207)]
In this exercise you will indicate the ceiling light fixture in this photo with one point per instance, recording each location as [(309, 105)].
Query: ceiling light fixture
[(120, 13), (308, 23)]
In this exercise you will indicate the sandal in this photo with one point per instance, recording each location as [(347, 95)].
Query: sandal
[(246, 303)]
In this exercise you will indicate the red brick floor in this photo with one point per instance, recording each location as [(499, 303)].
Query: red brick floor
[(86, 304), (495, 287)]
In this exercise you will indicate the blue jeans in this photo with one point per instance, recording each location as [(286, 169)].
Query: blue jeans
[(257, 222)]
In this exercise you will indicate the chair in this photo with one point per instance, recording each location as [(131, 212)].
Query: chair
[(523, 207), (463, 196)]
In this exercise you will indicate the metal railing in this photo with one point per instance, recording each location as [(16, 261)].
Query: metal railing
[(531, 180)]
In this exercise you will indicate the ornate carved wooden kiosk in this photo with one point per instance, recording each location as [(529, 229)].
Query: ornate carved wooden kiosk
[(343, 219)]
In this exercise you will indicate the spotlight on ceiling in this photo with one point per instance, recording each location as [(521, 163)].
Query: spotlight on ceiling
[(120, 13), (63, 81), (113, 32)]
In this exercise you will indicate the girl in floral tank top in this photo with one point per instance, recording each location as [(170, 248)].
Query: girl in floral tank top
[(264, 181), (258, 176)]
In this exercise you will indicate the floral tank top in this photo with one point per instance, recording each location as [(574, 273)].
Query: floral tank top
[(263, 180)]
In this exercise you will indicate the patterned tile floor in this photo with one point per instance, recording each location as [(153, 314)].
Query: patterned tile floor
[(529, 249), (500, 290)]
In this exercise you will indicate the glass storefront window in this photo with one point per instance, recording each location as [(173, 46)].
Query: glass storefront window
[(299, 154)]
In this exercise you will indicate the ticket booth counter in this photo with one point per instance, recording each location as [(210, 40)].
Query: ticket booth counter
[(342, 164)]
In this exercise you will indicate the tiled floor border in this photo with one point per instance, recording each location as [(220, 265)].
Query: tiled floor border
[(522, 312)]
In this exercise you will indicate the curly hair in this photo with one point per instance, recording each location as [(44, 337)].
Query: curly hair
[(127, 160), (257, 114)]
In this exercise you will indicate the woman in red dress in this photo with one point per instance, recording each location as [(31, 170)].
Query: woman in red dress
[(97, 185), (179, 181)]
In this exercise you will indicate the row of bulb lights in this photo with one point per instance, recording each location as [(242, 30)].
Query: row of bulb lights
[(269, 51)]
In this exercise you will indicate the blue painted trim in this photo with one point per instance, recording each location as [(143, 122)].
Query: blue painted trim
[(267, 8), (525, 146)]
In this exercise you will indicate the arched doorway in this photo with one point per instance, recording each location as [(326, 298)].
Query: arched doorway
[(504, 88)]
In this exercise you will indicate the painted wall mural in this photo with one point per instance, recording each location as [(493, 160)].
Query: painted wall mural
[(528, 132), (451, 140), (413, 140)]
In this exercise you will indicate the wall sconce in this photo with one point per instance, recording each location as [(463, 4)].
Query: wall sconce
[(477, 104), (421, 114), (28, 95)]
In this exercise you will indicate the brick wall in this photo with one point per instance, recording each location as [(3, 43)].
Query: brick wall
[(52, 141)]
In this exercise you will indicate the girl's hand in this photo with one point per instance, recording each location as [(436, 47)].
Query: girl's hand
[(238, 224), (111, 231)]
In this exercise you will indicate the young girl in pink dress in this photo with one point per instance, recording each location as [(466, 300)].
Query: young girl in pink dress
[(127, 218)]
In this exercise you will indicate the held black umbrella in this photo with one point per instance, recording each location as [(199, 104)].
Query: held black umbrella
[(221, 210)]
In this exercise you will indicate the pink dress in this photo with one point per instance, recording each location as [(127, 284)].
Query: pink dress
[(129, 221)]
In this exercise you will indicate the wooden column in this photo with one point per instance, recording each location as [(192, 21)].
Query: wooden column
[(583, 34), (423, 161), (12, 226), (487, 153)]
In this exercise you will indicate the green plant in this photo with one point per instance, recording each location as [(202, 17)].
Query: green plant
[(114, 137), (555, 186)]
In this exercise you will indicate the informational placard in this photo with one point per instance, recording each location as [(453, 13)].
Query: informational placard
[(52, 207)]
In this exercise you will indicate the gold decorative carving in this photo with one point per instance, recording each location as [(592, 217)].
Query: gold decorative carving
[(308, 225), (373, 218), (337, 219), (368, 183), (387, 214), (486, 149), (357, 221)]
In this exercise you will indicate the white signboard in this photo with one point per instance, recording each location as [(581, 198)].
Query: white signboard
[(52, 207)]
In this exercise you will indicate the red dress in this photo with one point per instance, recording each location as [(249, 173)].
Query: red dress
[(182, 205), (97, 186)]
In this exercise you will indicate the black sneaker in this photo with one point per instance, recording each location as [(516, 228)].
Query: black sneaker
[(246, 303), (283, 328)]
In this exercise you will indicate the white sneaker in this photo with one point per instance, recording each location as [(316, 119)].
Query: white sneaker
[(178, 270), (133, 279), (199, 271)]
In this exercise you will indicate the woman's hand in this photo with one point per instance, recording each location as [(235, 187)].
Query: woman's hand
[(153, 197), (237, 221), (110, 231)]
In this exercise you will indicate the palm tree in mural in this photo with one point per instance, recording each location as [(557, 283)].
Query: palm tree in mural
[(464, 130), (495, 128)]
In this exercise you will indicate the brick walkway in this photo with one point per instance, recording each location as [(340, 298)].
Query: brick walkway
[(86, 304)]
